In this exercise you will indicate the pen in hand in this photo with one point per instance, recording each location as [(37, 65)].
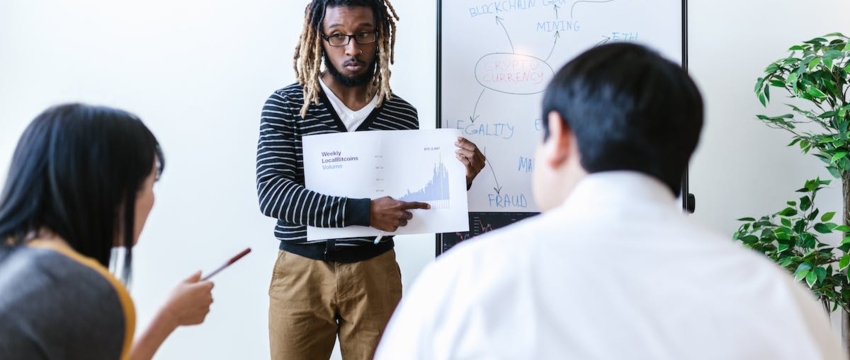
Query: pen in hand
[(231, 261), (378, 238)]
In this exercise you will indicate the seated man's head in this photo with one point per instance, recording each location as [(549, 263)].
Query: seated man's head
[(616, 107)]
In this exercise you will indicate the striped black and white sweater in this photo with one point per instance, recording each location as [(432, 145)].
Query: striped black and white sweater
[(280, 164)]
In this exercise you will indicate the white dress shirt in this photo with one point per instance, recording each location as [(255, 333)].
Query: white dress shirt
[(616, 272)]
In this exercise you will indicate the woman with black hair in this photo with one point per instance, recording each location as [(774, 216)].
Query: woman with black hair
[(80, 184)]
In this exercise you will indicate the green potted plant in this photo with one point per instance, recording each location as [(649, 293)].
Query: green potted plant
[(816, 71), (789, 237)]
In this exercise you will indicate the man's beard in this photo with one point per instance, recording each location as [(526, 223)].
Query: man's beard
[(351, 81)]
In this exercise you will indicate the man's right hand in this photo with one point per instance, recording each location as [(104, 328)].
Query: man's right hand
[(388, 214)]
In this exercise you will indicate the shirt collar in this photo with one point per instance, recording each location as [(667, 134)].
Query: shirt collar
[(619, 188)]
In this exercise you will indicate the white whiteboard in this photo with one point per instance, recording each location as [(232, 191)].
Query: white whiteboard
[(496, 58)]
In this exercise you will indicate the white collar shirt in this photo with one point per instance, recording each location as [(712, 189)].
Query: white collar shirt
[(616, 272), (351, 118)]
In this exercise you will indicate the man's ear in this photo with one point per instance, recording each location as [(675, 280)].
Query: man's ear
[(558, 148)]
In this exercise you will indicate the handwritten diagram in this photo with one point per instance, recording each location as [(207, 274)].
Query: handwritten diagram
[(498, 57)]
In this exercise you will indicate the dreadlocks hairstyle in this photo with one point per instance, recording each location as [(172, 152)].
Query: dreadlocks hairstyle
[(309, 51)]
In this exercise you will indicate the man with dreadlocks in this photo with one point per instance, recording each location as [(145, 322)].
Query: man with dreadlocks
[(346, 287)]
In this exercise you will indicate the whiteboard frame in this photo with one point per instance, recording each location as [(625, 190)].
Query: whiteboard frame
[(687, 201)]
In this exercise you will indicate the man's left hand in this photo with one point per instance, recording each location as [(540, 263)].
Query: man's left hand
[(471, 158)]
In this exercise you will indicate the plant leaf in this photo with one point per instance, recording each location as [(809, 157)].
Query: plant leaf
[(759, 85), (833, 171), (749, 240), (792, 80), (814, 63), (813, 215), (789, 211), (827, 114), (800, 226), (771, 68), (822, 228), (811, 278), (809, 242), (805, 203), (800, 275), (844, 262), (805, 266), (821, 273), (815, 92), (827, 62), (777, 83), (828, 216)]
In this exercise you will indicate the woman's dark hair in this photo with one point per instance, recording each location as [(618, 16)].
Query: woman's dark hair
[(74, 167), (630, 109)]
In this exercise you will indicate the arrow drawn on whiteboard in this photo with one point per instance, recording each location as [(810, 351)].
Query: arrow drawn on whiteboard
[(475, 110), (603, 42), (497, 188), (499, 21), (556, 11), (557, 35), (578, 2)]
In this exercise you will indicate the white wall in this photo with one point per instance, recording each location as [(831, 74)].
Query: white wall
[(198, 72), (742, 167)]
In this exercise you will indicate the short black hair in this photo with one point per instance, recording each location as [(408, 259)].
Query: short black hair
[(630, 109), (73, 168)]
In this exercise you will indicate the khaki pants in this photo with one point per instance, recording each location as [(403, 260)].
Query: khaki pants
[(313, 301)]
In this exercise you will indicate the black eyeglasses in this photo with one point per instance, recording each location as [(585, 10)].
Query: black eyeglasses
[(362, 38)]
